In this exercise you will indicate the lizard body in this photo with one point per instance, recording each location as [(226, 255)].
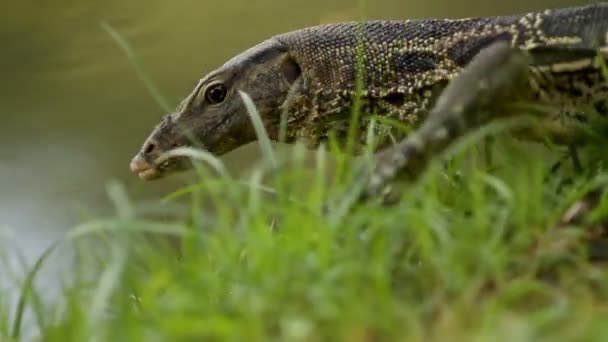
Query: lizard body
[(407, 64), (397, 69)]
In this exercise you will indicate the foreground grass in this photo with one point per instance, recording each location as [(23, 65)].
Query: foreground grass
[(469, 254)]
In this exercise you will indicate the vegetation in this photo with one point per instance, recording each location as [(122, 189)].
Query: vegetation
[(471, 252)]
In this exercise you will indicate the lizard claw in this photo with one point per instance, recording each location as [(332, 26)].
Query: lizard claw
[(579, 215), (378, 180)]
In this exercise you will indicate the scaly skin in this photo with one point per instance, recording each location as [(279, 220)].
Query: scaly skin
[(310, 76)]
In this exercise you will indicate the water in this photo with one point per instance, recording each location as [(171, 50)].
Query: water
[(73, 111)]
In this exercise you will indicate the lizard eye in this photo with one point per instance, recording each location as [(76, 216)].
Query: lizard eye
[(216, 93)]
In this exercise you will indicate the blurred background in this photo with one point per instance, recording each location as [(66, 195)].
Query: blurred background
[(73, 111)]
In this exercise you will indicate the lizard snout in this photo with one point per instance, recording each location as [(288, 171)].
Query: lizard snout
[(140, 165)]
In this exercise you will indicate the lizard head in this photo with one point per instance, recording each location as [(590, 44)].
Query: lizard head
[(213, 117)]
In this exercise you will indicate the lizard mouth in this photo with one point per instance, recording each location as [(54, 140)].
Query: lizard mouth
[(161, 168), (143, 169)]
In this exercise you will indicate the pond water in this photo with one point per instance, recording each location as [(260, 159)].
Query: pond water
[(73, 111)]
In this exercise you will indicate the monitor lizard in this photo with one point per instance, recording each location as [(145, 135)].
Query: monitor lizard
[(443, 77)]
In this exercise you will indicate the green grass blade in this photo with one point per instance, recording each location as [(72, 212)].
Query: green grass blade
[(197, 154), (26, 290), (137, 66), (258, 125)]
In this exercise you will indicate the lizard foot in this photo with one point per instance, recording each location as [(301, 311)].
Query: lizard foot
[(579, 215)]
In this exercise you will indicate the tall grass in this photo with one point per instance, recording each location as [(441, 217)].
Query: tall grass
[(470, 253)]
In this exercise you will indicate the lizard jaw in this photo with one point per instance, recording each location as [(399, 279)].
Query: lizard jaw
[(143, 169)]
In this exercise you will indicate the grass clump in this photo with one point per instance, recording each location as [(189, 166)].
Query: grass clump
[(470, 253)]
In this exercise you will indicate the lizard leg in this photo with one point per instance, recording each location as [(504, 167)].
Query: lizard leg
[(493, 78)]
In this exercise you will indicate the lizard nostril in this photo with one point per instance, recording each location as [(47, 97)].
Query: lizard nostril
[(150, 147)]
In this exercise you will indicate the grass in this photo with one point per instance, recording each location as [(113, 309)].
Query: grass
[(470, 253)]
